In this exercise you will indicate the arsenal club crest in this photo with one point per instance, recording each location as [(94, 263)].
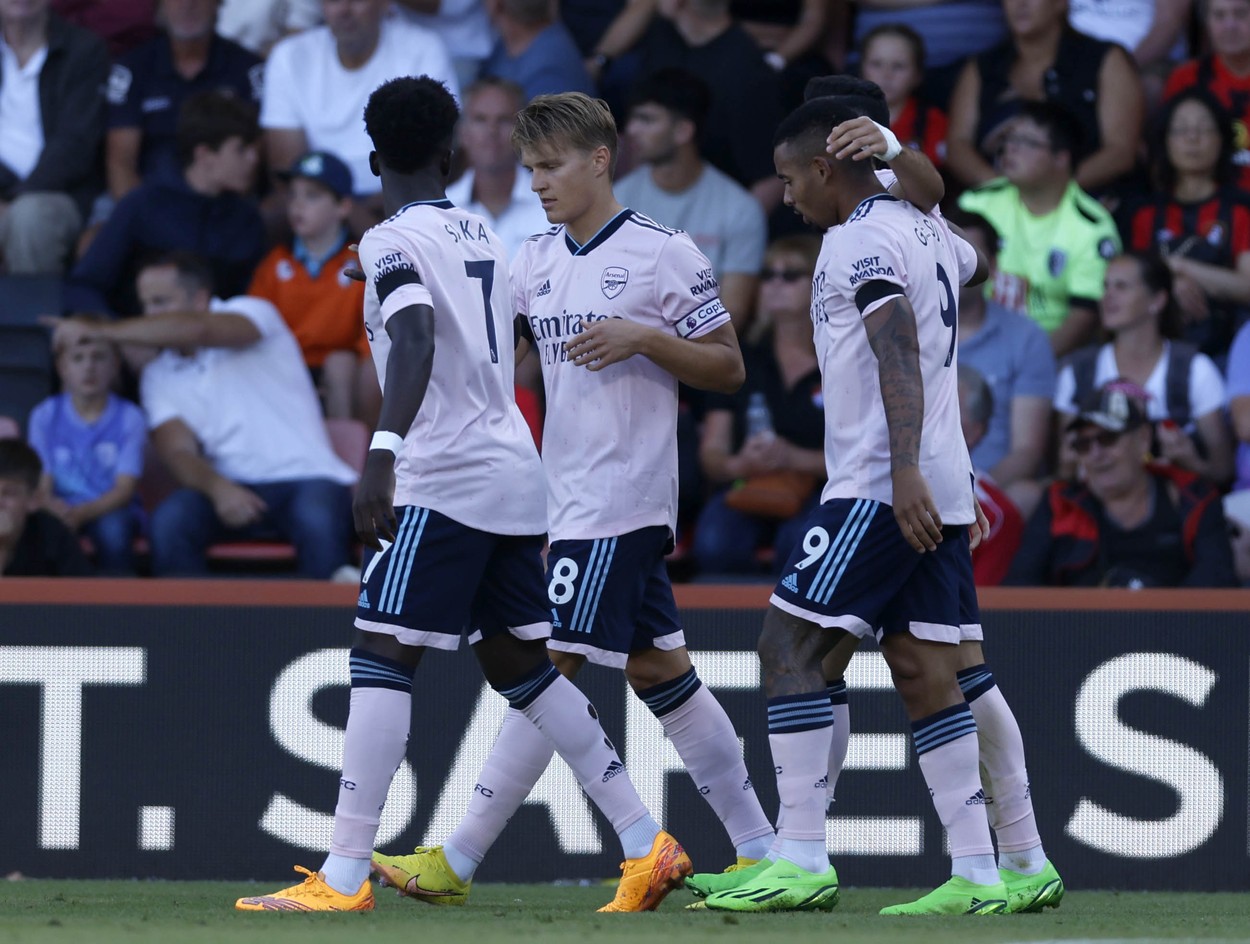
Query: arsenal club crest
[(613, 280)]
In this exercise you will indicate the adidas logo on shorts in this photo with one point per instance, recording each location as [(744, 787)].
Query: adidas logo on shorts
[(977, 799), (791, 583), (363, 602), (614, 768), (544, 289)]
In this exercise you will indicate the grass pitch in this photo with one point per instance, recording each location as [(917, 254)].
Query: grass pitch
[(34, 912)]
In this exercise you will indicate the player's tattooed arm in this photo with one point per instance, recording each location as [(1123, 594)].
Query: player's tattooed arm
[(892, 335), (408, 369)]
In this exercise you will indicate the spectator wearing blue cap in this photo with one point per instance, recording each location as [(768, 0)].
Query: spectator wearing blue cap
[(304, 280)]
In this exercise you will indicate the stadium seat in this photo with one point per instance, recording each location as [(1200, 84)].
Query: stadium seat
[(23, 298), (25, 351), (21, 389)]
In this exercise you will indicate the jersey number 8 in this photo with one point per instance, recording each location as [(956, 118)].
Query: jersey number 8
[(561, 588)]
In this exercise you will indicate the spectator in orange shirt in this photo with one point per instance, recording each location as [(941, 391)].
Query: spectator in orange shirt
[(892, 55), (304, 280)]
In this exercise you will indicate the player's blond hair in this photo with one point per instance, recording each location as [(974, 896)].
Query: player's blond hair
[(571, 118)]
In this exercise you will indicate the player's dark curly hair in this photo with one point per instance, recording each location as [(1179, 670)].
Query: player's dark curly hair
[(411, 121), (864, 96), (807, 127)]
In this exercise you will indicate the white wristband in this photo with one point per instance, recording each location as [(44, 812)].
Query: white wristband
[(391, 442), (892, 148)]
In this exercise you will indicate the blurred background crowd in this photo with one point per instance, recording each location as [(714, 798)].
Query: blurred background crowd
[(186, 177)]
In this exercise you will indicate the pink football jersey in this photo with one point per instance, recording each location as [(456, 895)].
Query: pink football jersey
[(469, 454), (885, 249), (610, 439)]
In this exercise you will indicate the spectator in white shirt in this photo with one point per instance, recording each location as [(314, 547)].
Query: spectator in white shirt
[(495, 185), (317, 83)]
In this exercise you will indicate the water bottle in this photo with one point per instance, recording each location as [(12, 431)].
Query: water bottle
[(759, 417)]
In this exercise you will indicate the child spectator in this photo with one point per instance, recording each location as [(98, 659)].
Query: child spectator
[(304, 280), (892, 55), (91, 444), (33, 543)]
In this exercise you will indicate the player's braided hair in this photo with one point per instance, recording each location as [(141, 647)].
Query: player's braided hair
[(864, 96), (411, 121), (571, 118)]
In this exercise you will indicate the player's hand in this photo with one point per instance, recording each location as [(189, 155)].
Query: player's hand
[(355, 272), (859, 139), (979, 530), (914, 510), (603, 343), (236, 506), (373, 509)]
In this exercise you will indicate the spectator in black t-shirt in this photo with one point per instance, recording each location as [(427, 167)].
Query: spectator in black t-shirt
[(768, 437), (147, 87), (33, 543), (701, 37)]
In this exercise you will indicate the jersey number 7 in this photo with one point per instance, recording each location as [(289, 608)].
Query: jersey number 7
[(485, 271)]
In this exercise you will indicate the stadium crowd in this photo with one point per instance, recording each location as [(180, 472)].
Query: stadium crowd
[(203, 164)]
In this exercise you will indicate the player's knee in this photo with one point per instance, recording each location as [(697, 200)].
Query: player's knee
[(652, 667), (568, 663), (388, 647), (788, 643), (504, 658)]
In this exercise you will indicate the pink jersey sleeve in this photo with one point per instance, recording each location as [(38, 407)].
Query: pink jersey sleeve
[(966, 254), (392, 268), (686, 291), (869, 267)]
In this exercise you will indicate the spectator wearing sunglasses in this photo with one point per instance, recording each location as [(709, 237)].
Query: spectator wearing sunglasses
[(1126, 522), (783, 384)]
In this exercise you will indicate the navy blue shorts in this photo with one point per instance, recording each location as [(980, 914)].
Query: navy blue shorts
[(611, 596), (854, 570), (442, 578)]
